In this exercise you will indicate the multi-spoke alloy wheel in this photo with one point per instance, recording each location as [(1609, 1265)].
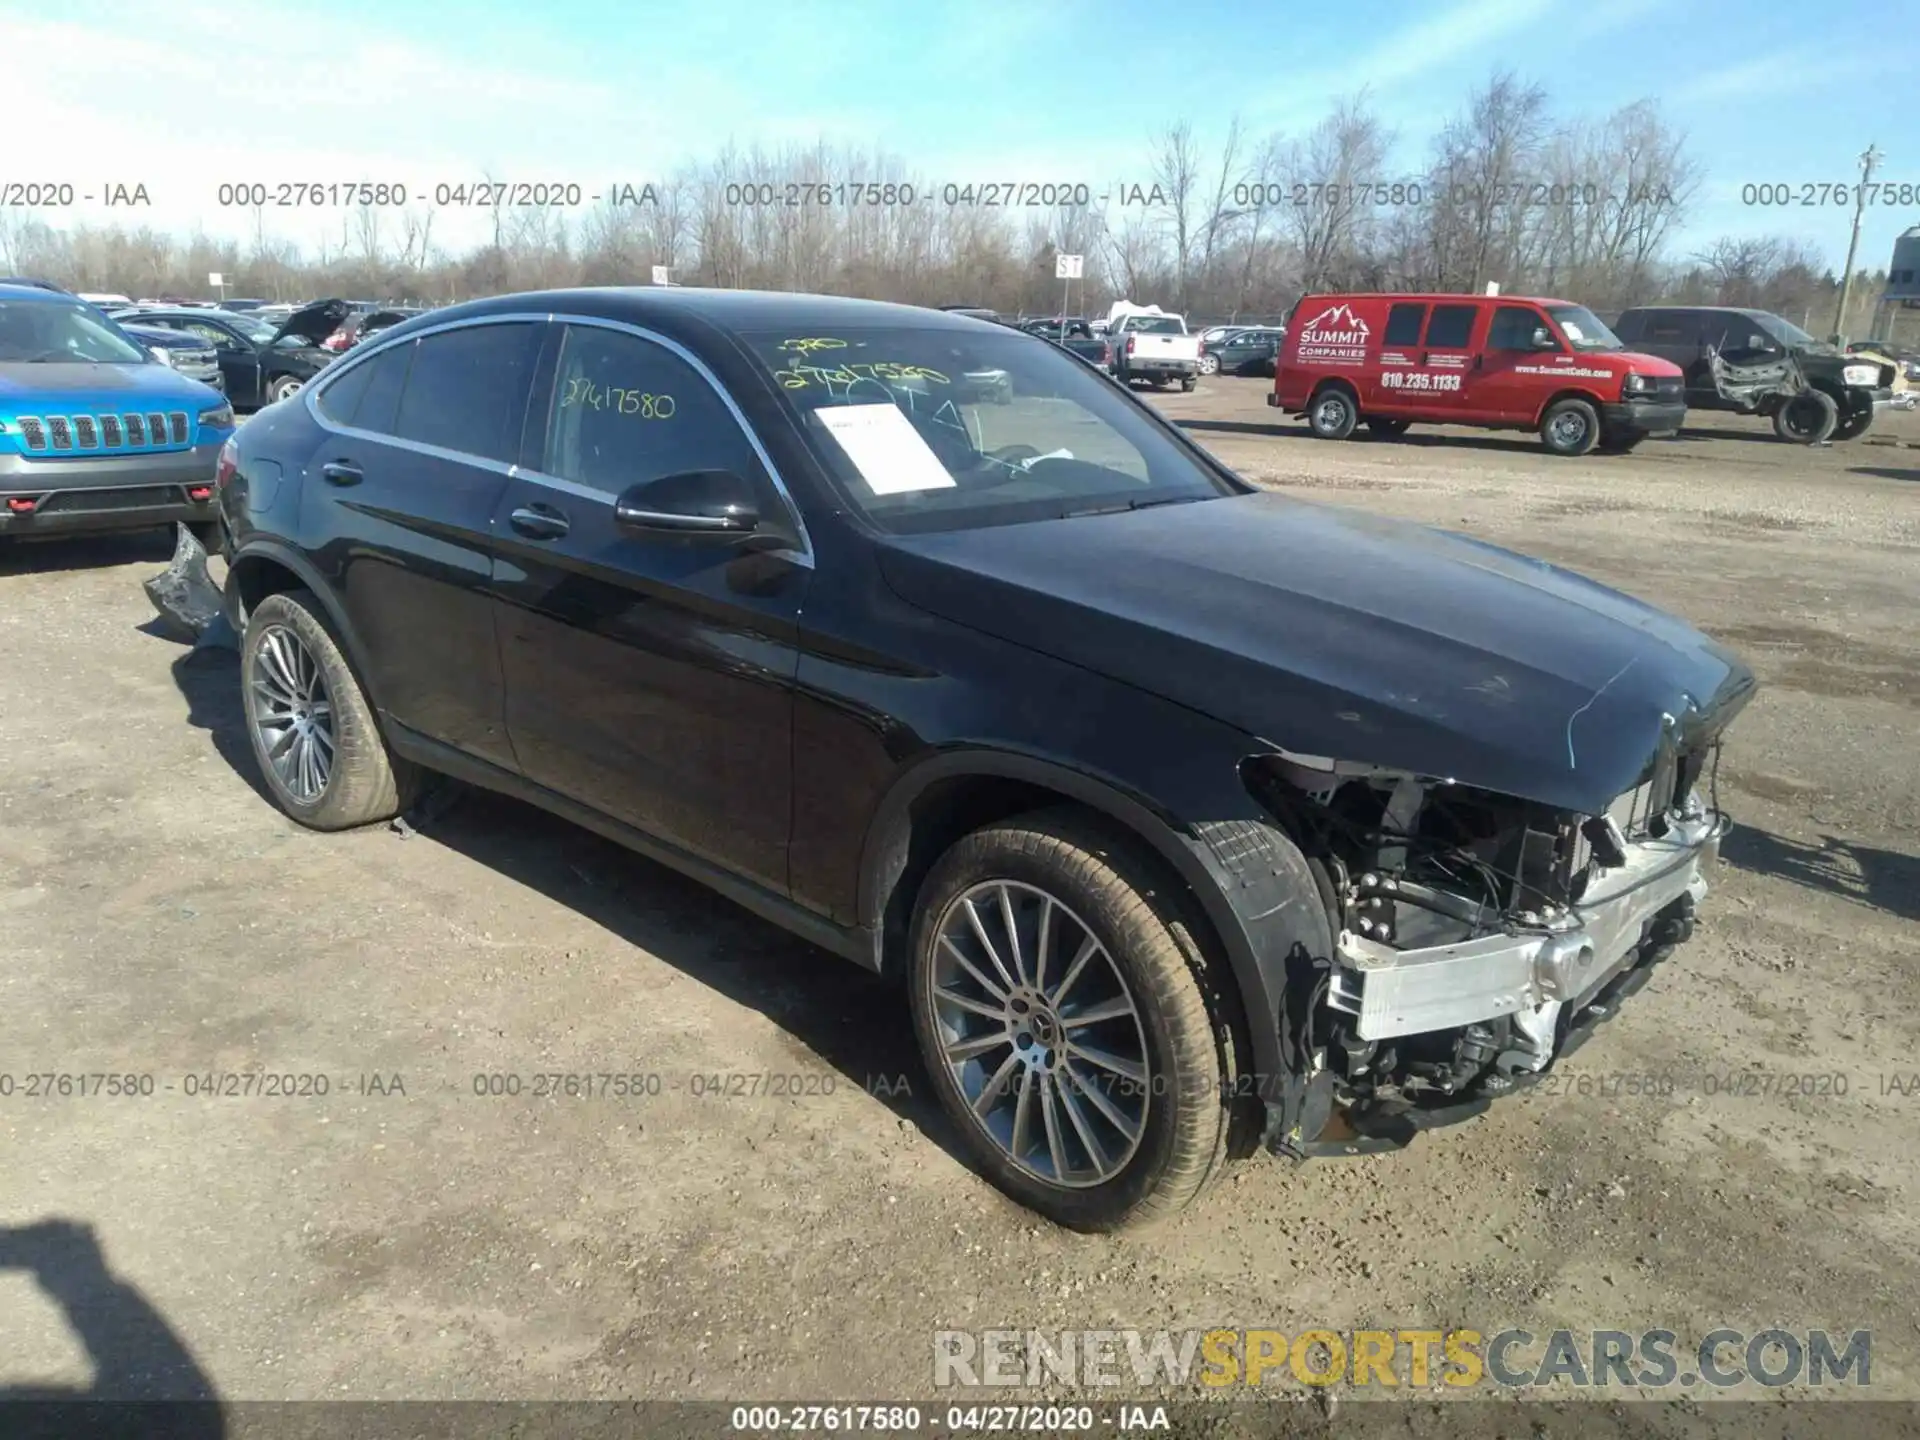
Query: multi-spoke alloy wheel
[(1057, 996), (1041, 1033), (292, 714), (313, 732)]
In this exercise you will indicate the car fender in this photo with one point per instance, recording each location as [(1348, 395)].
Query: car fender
[(1251, 882), (261, 548)]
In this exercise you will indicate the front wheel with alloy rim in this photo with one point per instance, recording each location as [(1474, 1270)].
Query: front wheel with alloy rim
[(1209, 364), (281, 388), (313, 731), (1057, 996), (1570, 427), (1331, 414)]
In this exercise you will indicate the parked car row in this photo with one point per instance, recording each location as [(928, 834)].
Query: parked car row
[(259, 362)]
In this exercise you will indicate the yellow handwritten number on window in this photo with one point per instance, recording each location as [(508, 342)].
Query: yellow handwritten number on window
[(583, 393)]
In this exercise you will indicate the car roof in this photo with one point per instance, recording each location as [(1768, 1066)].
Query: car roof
[(730, 311), (1701, 309), (34, 292), (1435, 296)]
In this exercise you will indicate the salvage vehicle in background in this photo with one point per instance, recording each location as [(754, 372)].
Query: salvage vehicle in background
[(1500, 362), (1150, 344), (1077, 337), (95, 434), (260, 362), (1254, 350), (1752, 362), (363, 325), (1193, 817), (191, 355)]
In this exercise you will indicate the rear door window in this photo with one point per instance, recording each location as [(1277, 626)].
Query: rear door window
[(373, 403), (1673, 327), (1451, 327), (625, 409), (467, 390), (1403, 323)]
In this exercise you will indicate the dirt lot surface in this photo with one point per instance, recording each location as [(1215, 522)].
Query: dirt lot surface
[(162, 919)]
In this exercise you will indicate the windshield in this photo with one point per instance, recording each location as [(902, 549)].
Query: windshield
[(1584, 329), (1785, 331), (950, 430), (47, 332), (1157, 325), (256, 330)]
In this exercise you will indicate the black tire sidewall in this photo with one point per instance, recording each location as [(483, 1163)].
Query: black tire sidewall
[(1588, 414), (985, 856), (1807, 404), (1335, 432), (356, 738)]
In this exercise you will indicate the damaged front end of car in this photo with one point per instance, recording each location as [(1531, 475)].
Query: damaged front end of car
[(1479, 936)]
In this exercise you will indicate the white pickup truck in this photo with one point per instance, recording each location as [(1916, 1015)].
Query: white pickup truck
[(1149, 344)]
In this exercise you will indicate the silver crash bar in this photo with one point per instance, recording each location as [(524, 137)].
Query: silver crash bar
[(1531, 976)]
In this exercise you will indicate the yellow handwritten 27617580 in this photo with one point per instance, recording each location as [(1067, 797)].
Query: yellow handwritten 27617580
[(583, 393), (839, 378)]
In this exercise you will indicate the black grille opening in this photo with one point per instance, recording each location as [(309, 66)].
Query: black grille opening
[(136, 430), (35, 433), (87, 432), (177, 423), (142, 497), (156, 429), (110, 429), (62, 433)]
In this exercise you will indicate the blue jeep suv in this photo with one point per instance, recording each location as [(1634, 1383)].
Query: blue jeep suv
[(95, 434)]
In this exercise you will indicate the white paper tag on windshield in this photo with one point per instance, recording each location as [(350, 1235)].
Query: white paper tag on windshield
[(885, 448)]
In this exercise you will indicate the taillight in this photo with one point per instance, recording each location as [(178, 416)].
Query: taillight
[(229, 462), (1106, 353), (1129, 344), (21, 504)]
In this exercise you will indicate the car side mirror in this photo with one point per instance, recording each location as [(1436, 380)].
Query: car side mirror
[(716, 503)]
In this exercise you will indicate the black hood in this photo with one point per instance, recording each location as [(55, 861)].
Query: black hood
[(315, 322), (1333, 633)]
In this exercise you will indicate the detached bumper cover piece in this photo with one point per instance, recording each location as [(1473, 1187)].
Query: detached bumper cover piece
[(187, 599), (1532, 975)]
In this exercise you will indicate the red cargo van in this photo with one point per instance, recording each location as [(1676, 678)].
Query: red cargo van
[(1499, 361)]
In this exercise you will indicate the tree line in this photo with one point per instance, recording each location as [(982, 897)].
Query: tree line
[(1509, 191)]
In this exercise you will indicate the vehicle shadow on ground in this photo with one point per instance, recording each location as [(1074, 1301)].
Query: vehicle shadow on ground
[(854, 1022), (1884, 879), (145, 1379), (89, 552), (1885, 472)]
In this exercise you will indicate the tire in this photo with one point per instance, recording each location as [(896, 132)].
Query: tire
[(1103, 889), (281, 386), (1570, 427), (1853, 426), (1807, 418), (1385, 429), (1209, 364), (1332, 414), (363, 781), (1186, 385)]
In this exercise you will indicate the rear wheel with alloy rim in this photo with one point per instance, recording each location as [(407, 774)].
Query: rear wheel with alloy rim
[(281, 388), (319, 747), (1057, 996)]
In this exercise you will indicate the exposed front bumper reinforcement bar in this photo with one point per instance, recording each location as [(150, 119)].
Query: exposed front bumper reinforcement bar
[(1556, 987), (1411, 992)]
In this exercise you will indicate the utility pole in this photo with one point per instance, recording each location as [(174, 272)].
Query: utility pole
[(1868, 159)]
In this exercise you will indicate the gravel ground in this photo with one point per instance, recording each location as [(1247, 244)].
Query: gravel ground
[(162, 919)]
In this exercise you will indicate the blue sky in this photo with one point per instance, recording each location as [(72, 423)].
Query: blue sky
[(599, 90)]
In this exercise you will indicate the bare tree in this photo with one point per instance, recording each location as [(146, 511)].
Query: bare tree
[(1175, 168)]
